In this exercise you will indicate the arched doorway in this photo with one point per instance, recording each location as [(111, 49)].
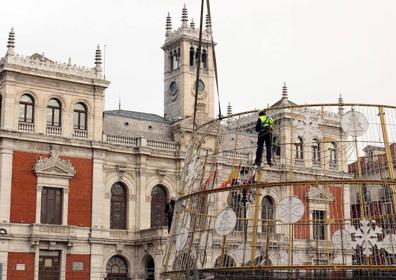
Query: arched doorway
[(150, 268), (117, 269)]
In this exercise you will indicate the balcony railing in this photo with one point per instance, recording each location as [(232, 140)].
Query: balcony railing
[(299, 161), (316, 163), (333, 165), (80, 133), (133, 141), (54, 130), (162, 145), (26, 126)]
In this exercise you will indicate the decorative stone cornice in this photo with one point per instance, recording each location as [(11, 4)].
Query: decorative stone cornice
[(319, 194), (54, 166), (39, 62)]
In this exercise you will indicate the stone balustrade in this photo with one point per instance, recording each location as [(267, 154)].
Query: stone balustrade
[(54, 130), (80, 133), (26, 126)]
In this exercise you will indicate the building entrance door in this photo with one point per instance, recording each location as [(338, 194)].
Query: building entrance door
[(49, 265)]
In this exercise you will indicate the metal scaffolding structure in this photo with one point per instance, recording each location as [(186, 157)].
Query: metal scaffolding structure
[(325, 209)]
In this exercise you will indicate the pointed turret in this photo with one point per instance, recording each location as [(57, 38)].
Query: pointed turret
[(208, 24), (98, 60), (192, 24), (229, 109), (284, 91), (184, 17), (340, 105), (168, 25), (11, 42)]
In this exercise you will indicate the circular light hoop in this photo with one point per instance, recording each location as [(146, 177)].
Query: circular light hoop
[(389, 243), (290, 210), (225, 222), (206, 240), (354, 123), (181, 238), (345, 242)]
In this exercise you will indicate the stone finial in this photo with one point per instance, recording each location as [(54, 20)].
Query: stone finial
[(340, 104), (11, 42), (168, 25), (208, 24), (229, 109), (192, 24), (284, 91), (98, 60), (184, 18), (69, 62)]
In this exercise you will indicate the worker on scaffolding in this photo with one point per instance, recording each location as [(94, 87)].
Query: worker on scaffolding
[(264, 130)]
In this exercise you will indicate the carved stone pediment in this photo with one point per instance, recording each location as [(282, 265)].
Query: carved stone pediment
[(54, 166), (320, 194)]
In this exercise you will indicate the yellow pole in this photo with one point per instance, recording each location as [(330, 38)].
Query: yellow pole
[(255, 220), (388, 155)]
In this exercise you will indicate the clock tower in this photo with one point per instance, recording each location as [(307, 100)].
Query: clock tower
[(181, 60)]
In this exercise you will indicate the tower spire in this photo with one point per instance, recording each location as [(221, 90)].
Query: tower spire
[(192, 24), (284, 91), (168, 25), (98, 60), (208, 24), (229, 109), (11, 42), (340, 105), (184, 18)]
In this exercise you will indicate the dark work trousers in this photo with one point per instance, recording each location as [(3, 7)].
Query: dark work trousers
[(265, 136)]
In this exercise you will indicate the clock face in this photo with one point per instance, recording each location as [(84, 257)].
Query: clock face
[(201, 86), (173, 87)]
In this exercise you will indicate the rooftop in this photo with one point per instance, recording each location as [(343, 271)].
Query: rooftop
[(137, 116)]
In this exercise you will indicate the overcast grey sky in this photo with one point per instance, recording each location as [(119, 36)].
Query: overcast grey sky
[(320, 48)]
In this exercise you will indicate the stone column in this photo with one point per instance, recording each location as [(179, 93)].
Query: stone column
[(98, 190), (39, 190), (65, 207), (5, 183), (98, 268)]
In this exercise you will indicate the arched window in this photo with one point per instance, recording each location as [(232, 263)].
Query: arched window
[(227, 261), (26, 109), (204, 59), (268, 214), (116, 268), (316, 151), (118, 207), (192, 53), (54, 113), (299, 145), (150, 269), (276, 145), (333, 153), (171, 61), (159, 199), (80, 116)]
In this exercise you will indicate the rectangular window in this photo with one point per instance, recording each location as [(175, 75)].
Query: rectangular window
[(319, 224), (51, 206)]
